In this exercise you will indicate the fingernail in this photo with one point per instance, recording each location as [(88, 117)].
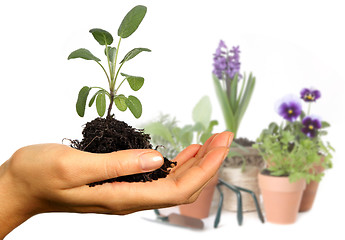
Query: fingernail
[(231, 137), (150, 161)]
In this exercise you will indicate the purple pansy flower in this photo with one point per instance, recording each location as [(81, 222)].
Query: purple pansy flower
[(310, 95), (290, 108), (310, 126), (226, 62)]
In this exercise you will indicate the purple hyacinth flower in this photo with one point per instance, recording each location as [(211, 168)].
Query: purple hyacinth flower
[(310, 126), (310, 95), (290, 108), (226, 62)]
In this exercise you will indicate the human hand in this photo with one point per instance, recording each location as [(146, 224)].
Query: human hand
[(53, 177)]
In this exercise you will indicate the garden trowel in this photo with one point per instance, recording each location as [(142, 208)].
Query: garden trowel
[(178, 220)]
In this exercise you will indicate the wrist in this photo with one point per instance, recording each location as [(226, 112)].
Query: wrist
[(13, 206)]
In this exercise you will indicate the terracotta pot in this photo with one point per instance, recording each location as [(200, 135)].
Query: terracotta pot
[(281, 198), (308, 197), (310, 191), (201, 207)]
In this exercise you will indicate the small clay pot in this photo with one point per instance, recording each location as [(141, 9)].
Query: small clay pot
[(308, 197), (201, 207), (281, 198), (310, 191)]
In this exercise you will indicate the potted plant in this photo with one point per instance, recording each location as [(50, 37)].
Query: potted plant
[(103, 135), (292, 151), (172, 138), (234, 92)]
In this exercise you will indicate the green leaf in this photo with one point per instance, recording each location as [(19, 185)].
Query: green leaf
[(131, 54), (101, 104), (198, 127), (233, 93), (84, 54), (325, 124), (205, 136), (272, 128), (242, 107), (208, 133), (131, 21), (134, 82), (111, 53), (211, 125), (94, 97), (81, 101), (158, 129), (202, 111), (134, 106), (186, 137), (102, 37), (120, 102), (224, 103), (244, 79)]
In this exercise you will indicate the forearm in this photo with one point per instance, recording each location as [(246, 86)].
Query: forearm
[(12, 210)]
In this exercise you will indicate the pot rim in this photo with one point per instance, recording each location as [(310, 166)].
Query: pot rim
[(280, 183)]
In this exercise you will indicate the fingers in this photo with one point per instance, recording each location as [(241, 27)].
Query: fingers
[(187, 154), (223, 139), (200, 174), (217, 140), (84, 168)]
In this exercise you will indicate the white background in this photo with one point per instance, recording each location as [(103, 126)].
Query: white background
[(288, 45)]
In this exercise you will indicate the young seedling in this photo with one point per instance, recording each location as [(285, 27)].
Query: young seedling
[(128, 26), (104, 135)]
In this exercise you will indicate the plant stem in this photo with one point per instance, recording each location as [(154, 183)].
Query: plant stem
[(111, 103), (109, 65), (228, 87), (104, 71), (117, 89), (117, 73), (113, 81), (309, 106)]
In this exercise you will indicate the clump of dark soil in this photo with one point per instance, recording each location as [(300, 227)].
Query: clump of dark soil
[(105, 135), (245, 142)]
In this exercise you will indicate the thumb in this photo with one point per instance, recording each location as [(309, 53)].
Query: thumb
[(94, 167), (128, 162)]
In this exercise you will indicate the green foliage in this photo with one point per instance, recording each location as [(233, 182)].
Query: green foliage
[(128, 26), (120, 102), (233, 100), (174, 138), (84, 54), (288, 152), (131, 21), (134, 52), (134, 106), (100, 103), (102, 37), (81, 101), (134, 82)]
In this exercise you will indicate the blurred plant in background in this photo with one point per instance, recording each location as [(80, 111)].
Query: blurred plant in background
[(233, 96), (173, 138)]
